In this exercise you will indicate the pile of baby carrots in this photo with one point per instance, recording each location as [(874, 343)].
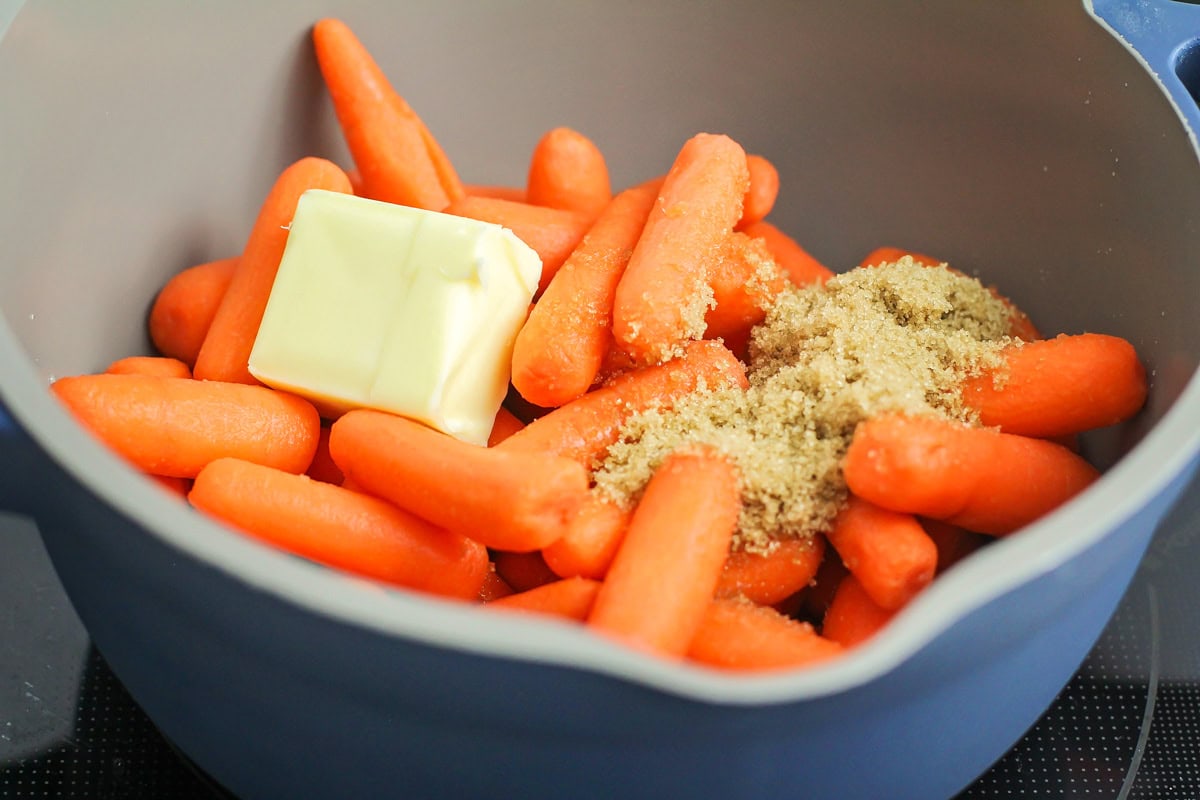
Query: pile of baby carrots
[(646, 294)]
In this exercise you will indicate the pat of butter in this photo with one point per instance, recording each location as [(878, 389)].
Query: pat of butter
[(377, 305)]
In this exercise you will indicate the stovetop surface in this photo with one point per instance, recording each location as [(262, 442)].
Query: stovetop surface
[(1126, 727)]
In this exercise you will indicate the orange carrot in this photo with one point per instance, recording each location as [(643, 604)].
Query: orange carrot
[(764, 188), (507, 500), (889, 552), (663, 576), (561, 348), (661, 298), (768, 578), (1020, 325), (736, 634), (523, 571), (398, 158), (590, 542), (493, 587), (569, 598), (1061, 386), (226, 350), (185, 306), (568, 171), (953, 543), (744, 280), (978, 478), (506, 425), (156, 366), (322, 467), (800, 267), (447, 175), (552, 232), (853, 616), (583, 429), (340, 528), (442, 165), (174, 426), (515, 193)]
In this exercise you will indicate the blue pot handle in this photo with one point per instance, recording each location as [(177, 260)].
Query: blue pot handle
[(1166, 35)]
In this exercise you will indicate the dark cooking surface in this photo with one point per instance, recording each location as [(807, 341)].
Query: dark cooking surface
[(1127, 726)]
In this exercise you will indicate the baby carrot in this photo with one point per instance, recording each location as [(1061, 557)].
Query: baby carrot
[(1057, 387), (506, 425), (226, 350), (744, 280), (853, 617), (889, 552), (174, 426), (662, 578), (516, 193), (793, 259), (663, 295), (522, 571), (568, 171), (978, 478), (561, 347), (505, 499), (340, 528), (591, 540), (768, 578), (584, 428), (736, 634), (157, 366), (322, 467), (396, 155), (552, 232), (185, 306), (568, 598), (764, 188)]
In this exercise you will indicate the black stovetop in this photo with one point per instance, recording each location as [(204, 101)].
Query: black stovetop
[(1126, 727)]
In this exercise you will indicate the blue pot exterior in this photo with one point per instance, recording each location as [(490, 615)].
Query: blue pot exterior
[(281, 703)]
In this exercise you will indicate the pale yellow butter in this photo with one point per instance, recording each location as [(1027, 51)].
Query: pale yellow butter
[(383, 306)]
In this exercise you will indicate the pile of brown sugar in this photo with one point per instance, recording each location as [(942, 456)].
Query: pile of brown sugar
[(894, 338)]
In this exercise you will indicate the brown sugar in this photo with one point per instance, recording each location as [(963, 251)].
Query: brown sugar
[(898, 337)]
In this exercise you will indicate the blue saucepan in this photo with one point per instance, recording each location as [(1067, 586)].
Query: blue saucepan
[(1046, 146)]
